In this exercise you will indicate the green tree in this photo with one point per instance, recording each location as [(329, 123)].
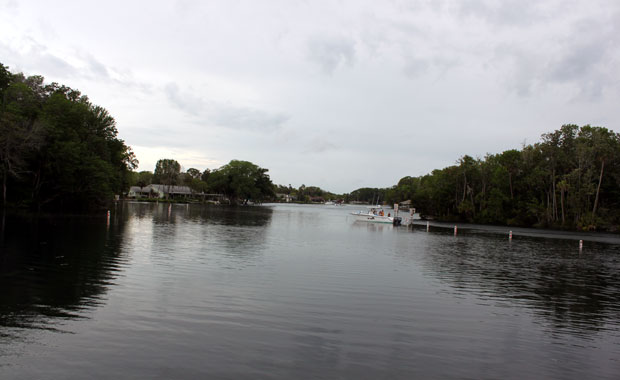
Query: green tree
[(193, 173), (145, 178), (58, 150), (20, 129), (602, 147), (167, 172), (205, 175), (241, 181)]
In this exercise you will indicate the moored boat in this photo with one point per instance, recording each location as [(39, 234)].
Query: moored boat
[(375, 214)]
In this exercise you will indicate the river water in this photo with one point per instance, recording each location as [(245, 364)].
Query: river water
[(299, 292)]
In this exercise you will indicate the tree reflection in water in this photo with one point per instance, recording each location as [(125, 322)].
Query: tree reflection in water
[(56, 268), (570, 290)]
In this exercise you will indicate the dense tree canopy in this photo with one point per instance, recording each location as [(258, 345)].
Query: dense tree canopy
[(58, 150), (367, 195), (167, 172), (144, 178), (570, 179), (241, 181)]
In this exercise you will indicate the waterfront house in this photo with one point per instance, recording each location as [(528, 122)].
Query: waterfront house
[(162, 191), (284, 197)]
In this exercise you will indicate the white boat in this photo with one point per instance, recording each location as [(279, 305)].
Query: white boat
[(375, 214)]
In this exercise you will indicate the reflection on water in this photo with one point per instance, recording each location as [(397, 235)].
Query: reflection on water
[(291, 291), (55, 269), (572, 290)]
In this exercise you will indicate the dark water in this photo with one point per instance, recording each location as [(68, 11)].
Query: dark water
[(299, 292)]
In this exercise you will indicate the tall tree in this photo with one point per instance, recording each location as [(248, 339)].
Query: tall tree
[(167, 172), (193, 173), (242, 180), (20, 129), (57, 150), (145, 178)]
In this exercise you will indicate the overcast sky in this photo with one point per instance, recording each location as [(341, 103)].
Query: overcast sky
[(336, 94)]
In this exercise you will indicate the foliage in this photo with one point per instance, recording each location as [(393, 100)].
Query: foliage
[(367, 195), (167, 172), (144, 178), (193, 173), (306, 194), (241, 181), (58, 150), (281, 189), (570, 179)]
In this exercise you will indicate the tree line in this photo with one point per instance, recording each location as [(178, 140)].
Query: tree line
[(570, 179), (240, 181), (307, 194), (58, 151)]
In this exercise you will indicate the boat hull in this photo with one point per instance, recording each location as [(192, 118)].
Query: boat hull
[(371, 218)]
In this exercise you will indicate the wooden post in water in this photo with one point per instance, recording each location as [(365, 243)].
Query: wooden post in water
[(580, 245), (454, 230), (428, 226), (510, 235)]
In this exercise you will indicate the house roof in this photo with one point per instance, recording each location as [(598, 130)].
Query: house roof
[(171, 189), (165, 189)]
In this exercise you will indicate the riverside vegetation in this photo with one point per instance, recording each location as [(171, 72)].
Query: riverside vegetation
[(570, 179), (59, 152)]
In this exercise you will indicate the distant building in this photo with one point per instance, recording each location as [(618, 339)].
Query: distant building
[(165, 191), (284, 197)]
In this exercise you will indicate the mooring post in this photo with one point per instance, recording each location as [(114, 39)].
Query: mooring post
[(580, 245), (428, 226), (510, 235), (454, 230)]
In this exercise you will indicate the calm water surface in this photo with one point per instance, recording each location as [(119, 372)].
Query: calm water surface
[(299, 292)]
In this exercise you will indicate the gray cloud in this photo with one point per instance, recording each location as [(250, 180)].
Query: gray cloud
[(184, 101), (587, 57), (54, 65), (320, 145), (37, 56), (331, 53), (224, 115), (581, 67), (578, 54), (156, 135), (96, 68), (507, 13), (415, 67), (522, 68), (431, 77), (248, 118)]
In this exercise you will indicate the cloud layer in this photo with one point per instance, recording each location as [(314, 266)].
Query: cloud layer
[(334, 94)]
